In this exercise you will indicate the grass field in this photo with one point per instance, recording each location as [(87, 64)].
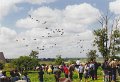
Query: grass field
[(50, 78)]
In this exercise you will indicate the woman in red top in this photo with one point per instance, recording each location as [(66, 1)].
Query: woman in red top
[(66, 71)]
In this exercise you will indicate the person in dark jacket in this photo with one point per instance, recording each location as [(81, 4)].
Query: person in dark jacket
[(96, 68), (71, 69), (107, 71), (41, 73)]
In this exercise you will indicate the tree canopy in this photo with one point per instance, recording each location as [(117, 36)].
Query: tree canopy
[(25, 62), (92, 55), (107, 38), (34, 54), (58, 60)]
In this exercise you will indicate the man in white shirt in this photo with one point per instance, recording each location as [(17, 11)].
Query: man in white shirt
[(81, 70)]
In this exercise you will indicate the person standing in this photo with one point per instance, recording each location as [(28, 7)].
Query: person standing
[(86, 72), (92, 70), (113, 64), (66, 71), (52, 67), (81, 70), (49, 69), (41, 73), (106, 70), (71, 69), (96, 68), (57, 73)]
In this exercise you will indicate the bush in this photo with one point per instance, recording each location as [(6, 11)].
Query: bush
[(25, 62), (9, 67)]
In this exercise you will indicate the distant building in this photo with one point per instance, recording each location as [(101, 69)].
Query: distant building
[(2, 58)]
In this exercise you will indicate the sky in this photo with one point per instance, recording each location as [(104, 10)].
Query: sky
[(51, 27)]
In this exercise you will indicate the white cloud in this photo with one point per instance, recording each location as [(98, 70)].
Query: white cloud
[(74, 20), (83, 13), (7, 37), (9, 6), (66, 45), (39, 1), (77, 17), (115, 6), (6, 34), (71, 18), (14, 45), (27, 23)]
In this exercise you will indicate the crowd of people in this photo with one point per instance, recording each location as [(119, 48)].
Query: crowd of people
[(15, 76), (110, 69)]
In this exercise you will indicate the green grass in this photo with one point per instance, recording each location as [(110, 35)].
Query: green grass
[(50, 78)]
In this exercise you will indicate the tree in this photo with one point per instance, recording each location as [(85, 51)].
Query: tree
[(25, 62), (58, 60), (101, 39), (106, 38), (92, 55), (114, 45), (34, 54)]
